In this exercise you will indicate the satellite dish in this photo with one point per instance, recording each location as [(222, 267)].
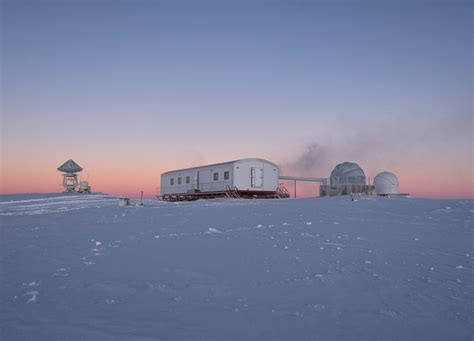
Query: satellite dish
[(70, 168)]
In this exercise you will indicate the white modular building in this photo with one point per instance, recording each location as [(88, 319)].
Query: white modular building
[(386, 183), (239, 178)]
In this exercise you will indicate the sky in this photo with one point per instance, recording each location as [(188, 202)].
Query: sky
[(131, 89)]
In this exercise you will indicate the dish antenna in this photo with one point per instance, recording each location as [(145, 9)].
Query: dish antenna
[(70, 168)]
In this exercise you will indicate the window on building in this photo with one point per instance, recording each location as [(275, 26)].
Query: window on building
[(172, 181), (179, 181), (226, 175), (216, 176), (188, 179)]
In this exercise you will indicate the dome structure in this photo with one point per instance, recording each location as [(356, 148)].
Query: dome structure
[(386, 183), (347, 173)]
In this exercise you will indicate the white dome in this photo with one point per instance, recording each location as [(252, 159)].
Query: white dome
[(347, 173), (386, 183)]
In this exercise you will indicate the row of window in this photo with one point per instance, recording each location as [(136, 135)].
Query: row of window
[(188, 180), (215, 177)]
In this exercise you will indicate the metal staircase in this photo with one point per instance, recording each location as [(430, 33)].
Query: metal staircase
[(282, 192), (232, 192)]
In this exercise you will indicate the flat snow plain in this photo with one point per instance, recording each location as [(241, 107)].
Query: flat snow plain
[(82, 268)]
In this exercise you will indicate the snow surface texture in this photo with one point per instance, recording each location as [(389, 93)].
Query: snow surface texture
[(83, 268)]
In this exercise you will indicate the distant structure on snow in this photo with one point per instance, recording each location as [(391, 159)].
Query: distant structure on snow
[(258, 178), (245, 178), (386, 183), (70, 169), (346, 178)]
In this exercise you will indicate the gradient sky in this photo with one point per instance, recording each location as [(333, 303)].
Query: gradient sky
[(130, 89)]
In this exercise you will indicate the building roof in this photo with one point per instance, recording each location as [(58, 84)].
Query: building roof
[(386, 178), (219, 164)]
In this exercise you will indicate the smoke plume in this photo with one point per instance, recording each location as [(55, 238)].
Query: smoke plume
[(311, 162)]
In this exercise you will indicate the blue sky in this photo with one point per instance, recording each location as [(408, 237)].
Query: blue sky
[(205, 81)]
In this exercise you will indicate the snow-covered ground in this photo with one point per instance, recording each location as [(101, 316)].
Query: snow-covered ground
[(82, 268)]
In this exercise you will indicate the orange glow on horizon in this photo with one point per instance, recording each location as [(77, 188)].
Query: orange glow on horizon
[(127, 183), (124, 178)]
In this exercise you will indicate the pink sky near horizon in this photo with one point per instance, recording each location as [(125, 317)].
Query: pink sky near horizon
[(130, 180)]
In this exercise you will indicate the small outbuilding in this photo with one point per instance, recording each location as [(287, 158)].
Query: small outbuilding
[(386, 183), (248, 178)]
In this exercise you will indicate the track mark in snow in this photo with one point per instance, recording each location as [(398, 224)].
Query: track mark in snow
[(309, 235), (212, 230), (31, 284), (333, 244), (61, 272), (33, 295)]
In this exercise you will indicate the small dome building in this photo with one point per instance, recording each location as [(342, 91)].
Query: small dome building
[(386, 183), (347, 173)]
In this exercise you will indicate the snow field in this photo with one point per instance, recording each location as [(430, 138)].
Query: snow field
[(329, 269)]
